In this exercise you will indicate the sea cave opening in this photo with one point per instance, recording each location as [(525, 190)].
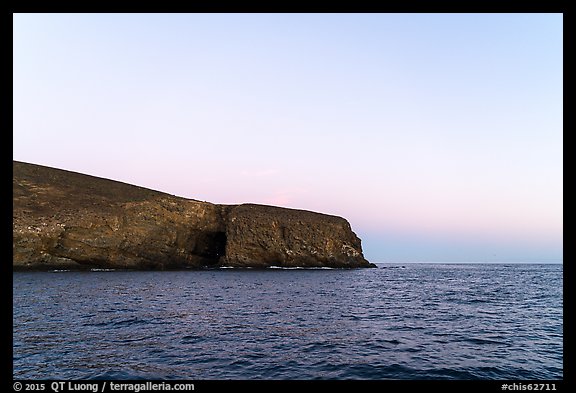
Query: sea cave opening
[(212, 246)]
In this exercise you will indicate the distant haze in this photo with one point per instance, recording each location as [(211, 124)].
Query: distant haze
[(438, 136)]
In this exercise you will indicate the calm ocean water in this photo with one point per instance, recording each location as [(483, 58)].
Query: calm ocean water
[(411, 321)]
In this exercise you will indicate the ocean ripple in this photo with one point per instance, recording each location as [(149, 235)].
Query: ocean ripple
[(412, 321)]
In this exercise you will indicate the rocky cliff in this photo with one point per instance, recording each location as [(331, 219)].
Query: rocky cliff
[(67, 220)]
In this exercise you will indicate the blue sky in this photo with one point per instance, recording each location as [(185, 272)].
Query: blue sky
[(438, 136)]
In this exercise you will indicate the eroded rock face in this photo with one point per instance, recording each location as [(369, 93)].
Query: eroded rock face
[(66, 220), (266, 235)]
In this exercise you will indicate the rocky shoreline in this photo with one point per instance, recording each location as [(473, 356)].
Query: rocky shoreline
[(70, 221)]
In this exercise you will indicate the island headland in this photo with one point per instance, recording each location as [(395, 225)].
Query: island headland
[(64, 220)]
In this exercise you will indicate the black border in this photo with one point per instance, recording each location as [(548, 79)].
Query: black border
[(423, 6), (318, 385), (418, 6)]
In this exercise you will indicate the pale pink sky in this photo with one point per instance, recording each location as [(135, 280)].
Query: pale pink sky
[(438, 136)]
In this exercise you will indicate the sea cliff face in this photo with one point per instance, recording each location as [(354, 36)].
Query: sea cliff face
[(67, 220)]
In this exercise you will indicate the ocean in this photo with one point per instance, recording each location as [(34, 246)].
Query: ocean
[(399, 321)]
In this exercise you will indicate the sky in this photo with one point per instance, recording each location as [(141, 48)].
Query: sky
[(437, 136)]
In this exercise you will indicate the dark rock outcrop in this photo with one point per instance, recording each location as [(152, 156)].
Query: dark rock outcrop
[(67, 220)]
